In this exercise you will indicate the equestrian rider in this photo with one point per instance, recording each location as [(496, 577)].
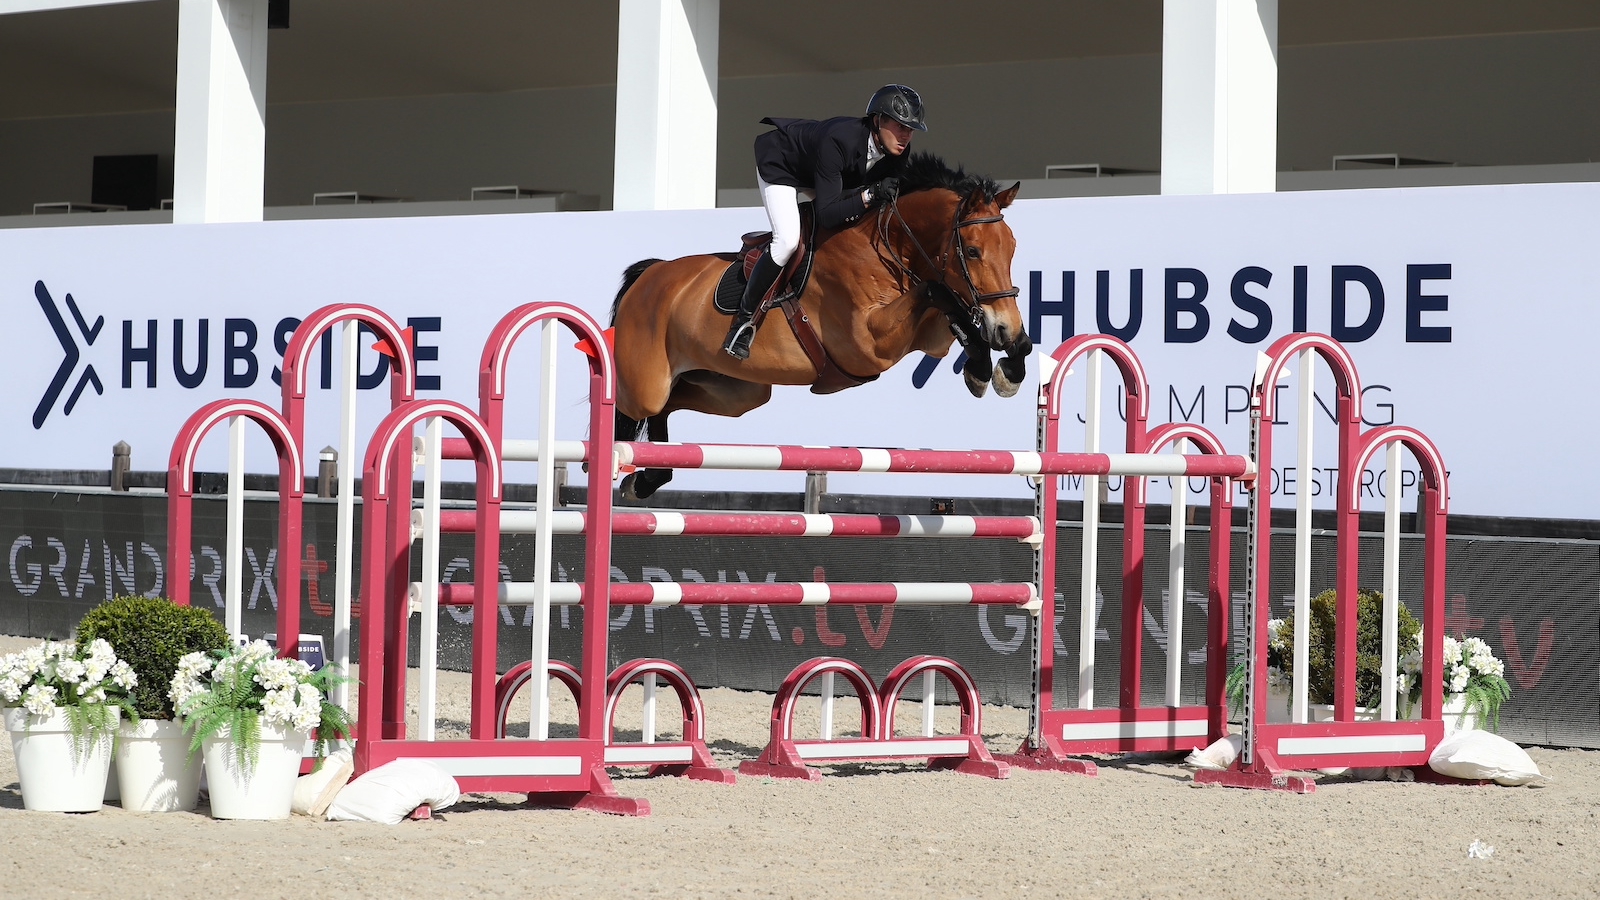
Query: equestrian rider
[(842, 166)]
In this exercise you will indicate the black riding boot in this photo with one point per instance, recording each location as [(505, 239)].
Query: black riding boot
[(742, 332)]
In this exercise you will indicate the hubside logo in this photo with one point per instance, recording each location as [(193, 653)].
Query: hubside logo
[(249, 351), (69, 363)]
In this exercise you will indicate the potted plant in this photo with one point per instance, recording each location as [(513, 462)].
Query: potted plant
[(154, 767), (1474, 683), (1278, 694), (251, 713), (1369, 652), (62, 701)]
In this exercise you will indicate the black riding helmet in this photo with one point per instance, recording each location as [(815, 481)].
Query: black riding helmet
[(899, 103)]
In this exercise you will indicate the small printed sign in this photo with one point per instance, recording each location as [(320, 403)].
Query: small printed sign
[(311, 649)]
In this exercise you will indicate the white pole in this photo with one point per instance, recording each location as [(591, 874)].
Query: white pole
[(1219, 96), (344, 546), (1175, 544), (428, 650), (928, 708), (826, 682), (1302, 537), (648, 732), (1088, 579), (1391, 585), (666, 147), (220, 131), (539, 713), (233, 602)]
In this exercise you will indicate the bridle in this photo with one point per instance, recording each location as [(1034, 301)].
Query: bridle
[(968, 304)]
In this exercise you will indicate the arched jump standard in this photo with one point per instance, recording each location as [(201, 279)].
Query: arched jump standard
[(180, 508), (402, 388), (1054, 733), (568, 773), (1270, 750)]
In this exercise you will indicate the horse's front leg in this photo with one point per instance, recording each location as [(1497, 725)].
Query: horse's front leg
[(1013, 368), (978, 369)]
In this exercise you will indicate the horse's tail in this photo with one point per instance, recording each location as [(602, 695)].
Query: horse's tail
[(629, 276)]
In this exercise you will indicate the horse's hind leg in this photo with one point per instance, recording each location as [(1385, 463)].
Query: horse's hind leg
[(701, 391), (642, 484)]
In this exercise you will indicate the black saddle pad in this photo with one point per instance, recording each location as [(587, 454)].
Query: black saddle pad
[(730, 289)]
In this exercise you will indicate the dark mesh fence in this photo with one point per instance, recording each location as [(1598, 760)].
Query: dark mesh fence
[(1536, 601)]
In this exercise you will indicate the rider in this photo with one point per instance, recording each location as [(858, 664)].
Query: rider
[(842, 166)]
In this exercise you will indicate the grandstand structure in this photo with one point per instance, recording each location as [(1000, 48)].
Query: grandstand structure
[(238, 110)]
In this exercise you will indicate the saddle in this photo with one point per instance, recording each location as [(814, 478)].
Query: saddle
[(785, 294)]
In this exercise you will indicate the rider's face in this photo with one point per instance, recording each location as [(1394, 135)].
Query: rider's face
[(896, 138)]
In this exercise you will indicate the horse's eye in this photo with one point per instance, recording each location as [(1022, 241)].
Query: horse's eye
[(974, 253)]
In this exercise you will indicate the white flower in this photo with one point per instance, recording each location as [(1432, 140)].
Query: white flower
[(123, 676), (98, 695), (1459, 676), (34, 657), (1275, 638), (186, 679), (278, 707), (1452, 651), (308, 712), (10, 688), (278, 674), (40, 700), (1411, 662), (71, 670)]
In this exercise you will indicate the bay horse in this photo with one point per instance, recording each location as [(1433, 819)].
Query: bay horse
[(928, 269)]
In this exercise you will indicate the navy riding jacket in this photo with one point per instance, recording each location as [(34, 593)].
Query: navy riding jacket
[(828, 157)]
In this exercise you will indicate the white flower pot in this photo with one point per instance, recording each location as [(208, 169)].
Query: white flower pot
[(266, 791), (155, 769), (55, 775), (1278, 699), (1456, 717)]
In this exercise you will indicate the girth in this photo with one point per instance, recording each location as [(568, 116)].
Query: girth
[(786, 293)]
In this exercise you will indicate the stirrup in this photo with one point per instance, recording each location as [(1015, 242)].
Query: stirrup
[(740, 336)]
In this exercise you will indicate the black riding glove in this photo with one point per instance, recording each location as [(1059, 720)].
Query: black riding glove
[(886, 190)]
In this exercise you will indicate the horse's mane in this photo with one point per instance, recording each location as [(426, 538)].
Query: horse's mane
[(925, 171)]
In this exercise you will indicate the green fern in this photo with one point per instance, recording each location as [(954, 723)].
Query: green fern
[(1234, 688), (1484, 695)]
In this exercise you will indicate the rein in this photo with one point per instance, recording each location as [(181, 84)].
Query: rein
[(969, 303)]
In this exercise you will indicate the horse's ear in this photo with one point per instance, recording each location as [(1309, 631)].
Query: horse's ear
[(1005, 197)]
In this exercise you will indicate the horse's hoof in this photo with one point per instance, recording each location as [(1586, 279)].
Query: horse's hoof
[(627, 487), (1006, 381), (976, 387)]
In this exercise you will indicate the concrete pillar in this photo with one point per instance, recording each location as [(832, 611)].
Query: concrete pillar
[(219, 152), (666, 145), (1219, 96)]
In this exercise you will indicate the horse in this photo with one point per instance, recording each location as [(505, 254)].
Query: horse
[(930, 268)]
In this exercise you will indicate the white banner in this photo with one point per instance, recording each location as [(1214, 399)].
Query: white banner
[(1469, 310)]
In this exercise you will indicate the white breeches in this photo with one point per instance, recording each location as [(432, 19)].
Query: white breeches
[(783, 211)]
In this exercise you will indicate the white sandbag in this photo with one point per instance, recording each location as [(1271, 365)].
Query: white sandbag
[(390, 792), (1483, 755), (313, 793), (1220, 755)]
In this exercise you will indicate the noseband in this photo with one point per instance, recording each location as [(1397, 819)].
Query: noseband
[(971, 301)]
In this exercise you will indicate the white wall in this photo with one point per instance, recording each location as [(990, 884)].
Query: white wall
[(1518, 99)]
